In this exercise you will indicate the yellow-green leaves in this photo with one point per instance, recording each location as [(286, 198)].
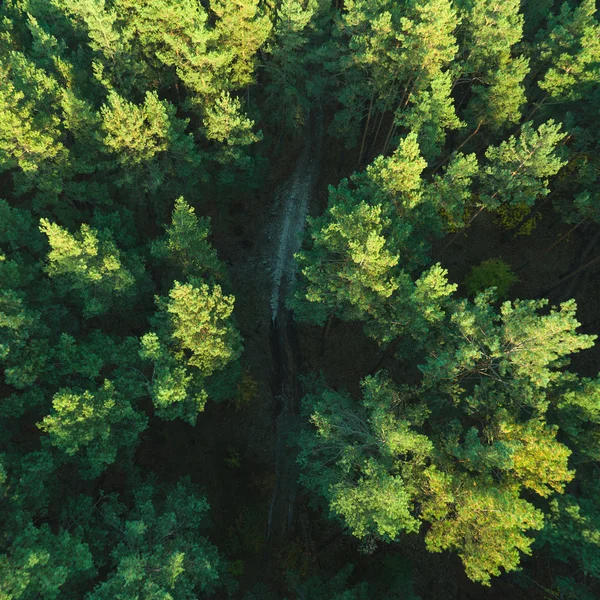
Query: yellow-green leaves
[(486, 525), (89, 265), (201, 327), (93, 426)]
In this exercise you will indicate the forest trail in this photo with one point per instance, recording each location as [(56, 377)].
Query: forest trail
[(292, 200)]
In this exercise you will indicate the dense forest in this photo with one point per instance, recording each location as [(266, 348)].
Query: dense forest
[(299, 299)]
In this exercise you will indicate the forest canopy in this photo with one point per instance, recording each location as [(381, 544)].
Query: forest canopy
[(299, 299)]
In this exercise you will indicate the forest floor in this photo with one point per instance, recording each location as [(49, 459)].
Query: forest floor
[(260, 518)]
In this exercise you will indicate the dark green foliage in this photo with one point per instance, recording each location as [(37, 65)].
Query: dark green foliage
[(456, 446), (123, 125), (490, 273), (155, 547)]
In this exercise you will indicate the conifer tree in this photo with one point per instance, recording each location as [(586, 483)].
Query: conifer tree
[(195, 338), (156, 550), (463, 445), (93, 426), (518, 169), (185, 244), (89, 266), (570, 45), (490, 31), (287, 97), (148, 143)]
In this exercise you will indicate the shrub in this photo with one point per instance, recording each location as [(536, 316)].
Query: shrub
[(490, 273)]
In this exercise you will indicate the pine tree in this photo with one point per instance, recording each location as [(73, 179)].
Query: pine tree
[(148, 143), (570, 44), (287, 97), (89, 266), (490, 31), (185, 244), (195, 340), (156, 549), (518, 169), (242, 28), (463, 445), (93, 426)]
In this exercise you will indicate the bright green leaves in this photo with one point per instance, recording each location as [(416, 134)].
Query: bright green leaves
[(451, 192), (200, 323), (242, 28), (517, 347), (175, 392), (195, 338), (377, 503), (490, 31), (578, 411), (195, 344), (460, 449), (226, 123), (90, 266), (372, 235), (518, 169), (499, 103), (397, 56), (485, 525), (369, 494), (571, 45), (428, 40), (95, 425), (433, 113), (30, 138), (349, 266), (538, 345), (148, 142)]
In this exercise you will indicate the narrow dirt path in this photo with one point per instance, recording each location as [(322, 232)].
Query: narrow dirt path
[(294, 200)]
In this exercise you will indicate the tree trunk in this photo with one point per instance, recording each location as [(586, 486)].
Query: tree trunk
[(556, 243), (583, 267), (364, 137), (390, 135), (376, 137), (326, 332), (389, 351)]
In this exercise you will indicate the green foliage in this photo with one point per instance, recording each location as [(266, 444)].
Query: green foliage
[(493, 272), (96, 425), (573, 531), (41, 564), (195, 338), (463, 445), (362, 250), (156, 549), (491, 30), (200, 325), (287, 65), (148, 142), (517, 171), (433, 113), (88, 265), (112, 112), (185, 244), (570, 44)]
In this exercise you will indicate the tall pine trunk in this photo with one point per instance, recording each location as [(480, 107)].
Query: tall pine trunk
[(364, 137)]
